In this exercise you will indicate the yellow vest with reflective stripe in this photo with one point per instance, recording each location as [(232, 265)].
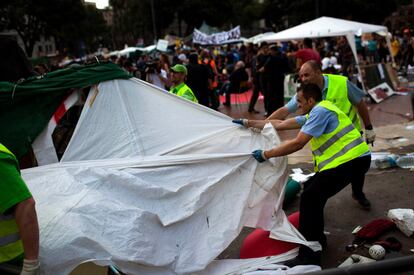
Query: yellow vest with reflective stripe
[(338, 94), (10, 244), (185, 92), (339, 146)]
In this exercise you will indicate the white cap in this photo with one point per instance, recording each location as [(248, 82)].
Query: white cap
[(182, 57)]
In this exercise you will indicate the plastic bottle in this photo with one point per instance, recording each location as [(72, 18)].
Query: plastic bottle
[(386, 162), (406, 161)]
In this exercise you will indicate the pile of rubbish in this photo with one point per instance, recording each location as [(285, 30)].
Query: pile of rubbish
[(370, 236)]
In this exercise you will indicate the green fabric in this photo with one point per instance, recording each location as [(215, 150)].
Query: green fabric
[(338, 95), (346, 147), (26, 107), (13, 188), (184, 91), (291, 190)]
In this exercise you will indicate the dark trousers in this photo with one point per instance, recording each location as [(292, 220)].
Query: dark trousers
[(255, 94), (263, 82), (323, 185), (275, 96)]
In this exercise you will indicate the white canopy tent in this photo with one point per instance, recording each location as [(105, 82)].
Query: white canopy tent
[(329, 27), (257, 38)]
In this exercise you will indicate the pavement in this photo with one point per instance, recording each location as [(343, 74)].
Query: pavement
[(386, 189)]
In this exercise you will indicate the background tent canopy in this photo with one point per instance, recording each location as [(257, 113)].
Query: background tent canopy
[(324, 27), (328, 27)]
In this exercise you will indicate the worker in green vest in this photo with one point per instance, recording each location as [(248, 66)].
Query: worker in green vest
[(179, 73), (346, 96), (340, 156), (19, 230)]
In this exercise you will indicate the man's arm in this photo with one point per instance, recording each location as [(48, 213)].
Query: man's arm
[(288, 147), (26, 220), (288, 124), (279, 114), (364, 114)]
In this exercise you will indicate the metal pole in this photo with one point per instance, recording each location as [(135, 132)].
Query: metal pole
[(153, 21), (390, 266)]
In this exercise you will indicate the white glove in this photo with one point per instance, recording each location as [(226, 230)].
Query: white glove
[(370, 136), (30, 267)]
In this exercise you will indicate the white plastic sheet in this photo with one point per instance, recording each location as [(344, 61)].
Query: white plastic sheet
[(154, 184)]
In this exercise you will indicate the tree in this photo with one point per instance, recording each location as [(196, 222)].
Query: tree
[(300, 11), (27, 18), (133, 19), (68, 21)]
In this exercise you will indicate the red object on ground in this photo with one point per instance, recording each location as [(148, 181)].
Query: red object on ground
[(258, 244)]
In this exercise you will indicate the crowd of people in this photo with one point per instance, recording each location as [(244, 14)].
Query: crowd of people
[(232, 69)]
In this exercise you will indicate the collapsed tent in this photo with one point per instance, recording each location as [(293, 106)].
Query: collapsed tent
[(26, 107), (155, 184), (328, 27)]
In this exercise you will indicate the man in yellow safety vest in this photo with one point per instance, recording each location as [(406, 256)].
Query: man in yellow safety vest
[(346, 96), (340, 156), (179, 88), (19, 230)]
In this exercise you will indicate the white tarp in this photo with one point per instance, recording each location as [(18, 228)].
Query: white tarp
[(155, 184)]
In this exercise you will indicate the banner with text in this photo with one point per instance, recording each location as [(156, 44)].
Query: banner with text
[(230, 36)]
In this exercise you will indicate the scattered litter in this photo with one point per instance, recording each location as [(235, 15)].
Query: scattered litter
[(377, 252), (299, 176), (351, 247), (356, 259), (383, 160), (356, 229), (377, 155), (386, 162), (297, 171), (390, 243), (373, 230), (404, 219), (406, 161), (410, 127)]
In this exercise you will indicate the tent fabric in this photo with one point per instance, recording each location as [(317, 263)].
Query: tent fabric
[(155, 184), (33, 101), (269, 265)]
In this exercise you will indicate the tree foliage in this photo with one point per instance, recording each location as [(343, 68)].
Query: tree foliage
[(70, 22), (276, 12), (133, 19)]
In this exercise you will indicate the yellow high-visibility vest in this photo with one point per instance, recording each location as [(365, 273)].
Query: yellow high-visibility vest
[(184, 91), (339, 146), (10, 243), (338, 94)]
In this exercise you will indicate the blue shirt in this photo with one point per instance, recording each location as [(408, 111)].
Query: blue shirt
[(355, 95), (321, 121)]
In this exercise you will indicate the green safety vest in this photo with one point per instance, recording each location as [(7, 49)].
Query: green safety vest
[(184, 91), (339, 146), (10, 244), (338, 94)]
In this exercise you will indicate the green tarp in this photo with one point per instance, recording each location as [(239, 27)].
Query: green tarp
[(26, 107)]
